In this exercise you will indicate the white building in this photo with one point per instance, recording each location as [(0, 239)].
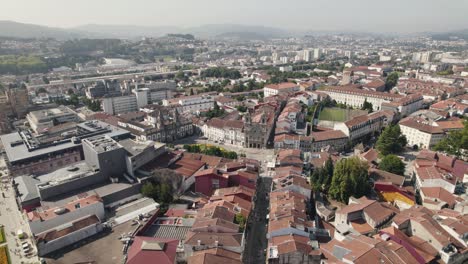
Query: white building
[(356, 97), (424, 133), (275, 89), (42, 120), (120, 104), (306, 55), (365, 125), (317, 53), (193, 103)]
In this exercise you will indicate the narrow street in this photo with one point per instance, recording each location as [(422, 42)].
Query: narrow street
[(256, 241), (13, 220)]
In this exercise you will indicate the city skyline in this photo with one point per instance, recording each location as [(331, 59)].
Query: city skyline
[(317, 15)]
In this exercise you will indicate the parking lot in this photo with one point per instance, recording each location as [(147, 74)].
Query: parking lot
[(104, 248)]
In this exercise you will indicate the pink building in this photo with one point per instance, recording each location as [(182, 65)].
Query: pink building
[(207, 181)]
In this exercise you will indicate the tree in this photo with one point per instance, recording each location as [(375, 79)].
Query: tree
[(180, 75), (45, 80), (391, 81), (41, 90), (391, 141), (456, 143), (241, 108), (393, 164), (149, 190), (350, 178), (329, 171), (367, 106), (240, 220)]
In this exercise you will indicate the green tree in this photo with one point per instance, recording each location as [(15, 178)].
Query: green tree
[(41, 90), (149, 190), (456, 143), (350, 178), (391, 81), (367, 106), (241, 108), (240, 220), (329, 172), (180, 75), (393, 164), (391, 141), (45, 80)]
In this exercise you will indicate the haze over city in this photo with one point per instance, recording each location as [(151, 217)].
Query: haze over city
[(233, 132), (334, 15)]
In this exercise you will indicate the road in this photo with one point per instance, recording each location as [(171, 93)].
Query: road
[(13, 220), (257, 225), (93, 79)]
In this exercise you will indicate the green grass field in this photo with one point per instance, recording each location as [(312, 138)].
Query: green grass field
[(333, 114)]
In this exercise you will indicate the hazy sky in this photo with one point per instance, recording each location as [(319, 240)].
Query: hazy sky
[(360, 15)]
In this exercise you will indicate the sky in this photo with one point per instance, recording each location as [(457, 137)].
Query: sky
[(340, 15)]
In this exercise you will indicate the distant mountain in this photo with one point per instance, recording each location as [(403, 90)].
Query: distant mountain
[(205, 31), (224, 30), (127, 31), (21, 30), (451, 35)]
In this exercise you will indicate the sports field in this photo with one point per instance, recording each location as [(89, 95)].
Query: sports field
[(336, 114), (333, 114)]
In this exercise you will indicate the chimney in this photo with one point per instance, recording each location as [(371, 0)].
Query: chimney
[(216, 243), (198, 242)]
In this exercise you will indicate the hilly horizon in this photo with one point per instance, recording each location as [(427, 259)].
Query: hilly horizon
[(236, 31)]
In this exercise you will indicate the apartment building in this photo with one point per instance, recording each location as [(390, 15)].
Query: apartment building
[(424, 133), (41, 120), (193, 103), (276, 89), (356, 97), (365, 125)]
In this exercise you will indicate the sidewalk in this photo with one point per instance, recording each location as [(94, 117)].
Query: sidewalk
[(13, 220)]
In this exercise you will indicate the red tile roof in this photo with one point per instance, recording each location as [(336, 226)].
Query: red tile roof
[(149, 250)]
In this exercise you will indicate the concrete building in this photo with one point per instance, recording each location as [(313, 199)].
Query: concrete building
[(120, 104), (29, 154), (317, 53), (193, 103), (356, 97), (47, 219), (75, 231), (163, 124), (41, 120), (158, 91), (18, 100), (365, 125), (306, 55), (104, 88), (424, 133), (276, 89)]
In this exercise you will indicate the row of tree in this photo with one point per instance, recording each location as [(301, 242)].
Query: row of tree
[(221, 72), (211, 151), (456, 143)]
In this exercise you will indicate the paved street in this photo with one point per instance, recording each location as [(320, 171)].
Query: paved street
[(256, 241), (252, 153), (13, 220)]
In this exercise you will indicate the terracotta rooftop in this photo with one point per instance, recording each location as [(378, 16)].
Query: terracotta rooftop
[(215, 256), (281, 86), (69, 207), (147, 250)]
